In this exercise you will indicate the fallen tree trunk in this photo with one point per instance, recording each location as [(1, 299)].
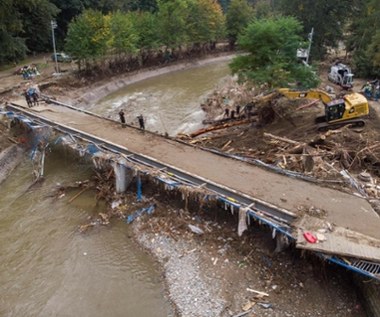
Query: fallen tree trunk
[(219, 127), (278, 138)]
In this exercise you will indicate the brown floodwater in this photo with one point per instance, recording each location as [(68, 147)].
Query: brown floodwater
[(170, 103), (49, 268)]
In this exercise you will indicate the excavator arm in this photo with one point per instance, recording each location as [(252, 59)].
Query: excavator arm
[(338, 112), (306, 94)]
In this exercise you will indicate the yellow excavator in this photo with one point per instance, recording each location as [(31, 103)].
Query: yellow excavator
[(338, 112)]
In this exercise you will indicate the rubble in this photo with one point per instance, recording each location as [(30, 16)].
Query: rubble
[(282, 133)]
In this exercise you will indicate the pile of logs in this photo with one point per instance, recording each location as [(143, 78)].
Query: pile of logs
[(326, 154), (322, 156), (309, 158)]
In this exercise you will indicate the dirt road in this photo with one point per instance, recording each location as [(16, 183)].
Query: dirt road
[(294, 195)]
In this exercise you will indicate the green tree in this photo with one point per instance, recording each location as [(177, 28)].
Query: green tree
[(363, 40), (263, 9), (172, 17), (238, 16), (373, 50), (271, 45), (145, 25), (143, 5), (36, 17), (328, 18), (24, 26), (224, 4), (217, 21), (68, 9), (88, 35), (205, 22), (12, 46), (123, 39)]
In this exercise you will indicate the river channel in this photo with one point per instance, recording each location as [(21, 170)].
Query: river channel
[(49, 268), (170, 103)]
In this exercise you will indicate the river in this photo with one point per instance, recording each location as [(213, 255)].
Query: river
[(49, 268), (170, 103)]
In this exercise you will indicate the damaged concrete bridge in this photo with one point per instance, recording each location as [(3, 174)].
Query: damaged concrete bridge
[(341, 228)]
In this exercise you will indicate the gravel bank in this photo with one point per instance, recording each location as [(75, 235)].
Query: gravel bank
[(192, 294)]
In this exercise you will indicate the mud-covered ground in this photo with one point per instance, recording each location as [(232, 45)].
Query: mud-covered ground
[(219, 274)]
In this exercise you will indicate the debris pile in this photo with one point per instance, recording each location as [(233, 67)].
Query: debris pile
[(103, 183), (227, 97), (323, 155), (282, 132)]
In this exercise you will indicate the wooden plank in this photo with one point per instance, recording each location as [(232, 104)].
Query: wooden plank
[(339, 241)]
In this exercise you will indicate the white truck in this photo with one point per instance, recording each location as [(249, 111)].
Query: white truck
[(341, 75)]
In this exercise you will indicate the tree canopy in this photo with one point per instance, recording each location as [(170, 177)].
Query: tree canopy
[(171, 18), (328, 18), (149, 24), (363, 41), (271, 45), (88, 35), (24, 26), (93, 36), (238, 16)]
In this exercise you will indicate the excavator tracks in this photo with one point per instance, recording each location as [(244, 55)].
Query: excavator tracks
[(325, 126)]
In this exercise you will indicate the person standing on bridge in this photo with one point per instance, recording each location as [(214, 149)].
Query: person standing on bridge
[(28, 99), (141, 122), (122, 116), (35, 98)]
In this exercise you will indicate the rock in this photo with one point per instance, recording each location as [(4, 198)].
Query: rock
[(265, 305), (366, 177), (196, 229)]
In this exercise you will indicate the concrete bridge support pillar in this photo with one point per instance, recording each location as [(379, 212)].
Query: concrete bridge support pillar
[(123, 176)]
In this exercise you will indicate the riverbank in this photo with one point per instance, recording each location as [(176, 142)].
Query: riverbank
[(81, 92)]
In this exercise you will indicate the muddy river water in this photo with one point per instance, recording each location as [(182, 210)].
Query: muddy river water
[(169, 102), (48, 268)]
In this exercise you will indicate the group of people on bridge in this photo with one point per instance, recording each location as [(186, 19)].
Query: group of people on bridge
[(140, 119), (31, 95)]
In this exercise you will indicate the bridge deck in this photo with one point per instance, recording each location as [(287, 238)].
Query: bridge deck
[(295, 196)]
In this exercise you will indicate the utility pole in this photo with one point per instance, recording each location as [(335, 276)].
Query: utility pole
[(310, 41), (54, 26)]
